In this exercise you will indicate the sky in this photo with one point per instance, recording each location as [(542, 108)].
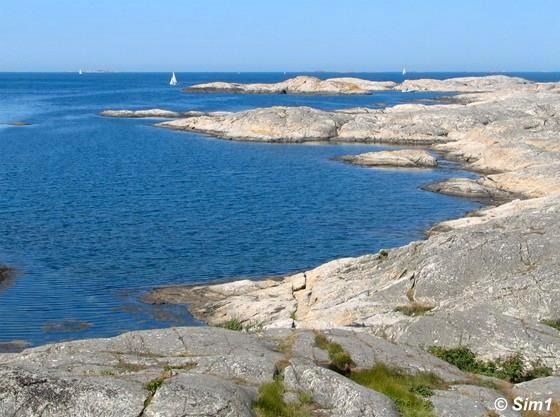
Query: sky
[(280, 35)]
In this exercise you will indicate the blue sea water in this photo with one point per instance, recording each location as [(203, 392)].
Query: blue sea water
[(96, 211)]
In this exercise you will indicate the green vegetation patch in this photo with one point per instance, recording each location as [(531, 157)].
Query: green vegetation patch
[(154, 384), (554, 323), (270, 402), (511, 368), (236, 325), (339, 358), (233, 324), (409, 392)]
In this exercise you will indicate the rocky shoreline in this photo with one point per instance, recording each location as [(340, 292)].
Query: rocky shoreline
[(404, 158), (485, 287), (511, 134), (357, 86), (217, 372)]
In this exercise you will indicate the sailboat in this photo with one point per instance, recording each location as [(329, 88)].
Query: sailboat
[(404, 71), (173, 80), (80, 72)]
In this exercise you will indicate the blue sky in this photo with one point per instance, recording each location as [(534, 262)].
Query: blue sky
[(287, 35)]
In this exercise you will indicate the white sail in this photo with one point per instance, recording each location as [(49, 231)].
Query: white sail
[(173, 80), (80, 72), (404, 71)]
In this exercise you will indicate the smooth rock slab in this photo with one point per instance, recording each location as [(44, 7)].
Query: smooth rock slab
[(469, 401), (155, 113), (406, 158), (200, 396), (540, 389), (341, 396), (272, 124), (29, 394), (465, 187), (298, 85), (465, 84)]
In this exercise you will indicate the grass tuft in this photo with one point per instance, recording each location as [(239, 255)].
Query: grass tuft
[(409, 392), (154, 384), (270, 402), (233, 324), (339, 358), (236, 325), (554, 323), (511, 368)]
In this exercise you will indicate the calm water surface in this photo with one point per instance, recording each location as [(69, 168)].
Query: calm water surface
[(95, 211)]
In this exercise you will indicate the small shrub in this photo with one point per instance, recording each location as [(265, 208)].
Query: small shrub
[(270, 402), (154, 384), (339, 358), (233, 324), (305, 398), (341, 361), (537, 371), (462, 357), (511, 368), (271, 399), (409, 392), (422, 390)]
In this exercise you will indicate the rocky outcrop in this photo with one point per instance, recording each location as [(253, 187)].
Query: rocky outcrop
[(485, 281), (486, 286), (406, 158), (338, 394), (216, 372), (298, 85), (469, 401), (485, 121), (507, 132), (488, 282), (349, 85), (151, 113), (466, 187), (539, 389), (274, 124), (465, 84), (198, 372)]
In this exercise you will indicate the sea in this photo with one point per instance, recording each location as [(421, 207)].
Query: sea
[(94, 211)]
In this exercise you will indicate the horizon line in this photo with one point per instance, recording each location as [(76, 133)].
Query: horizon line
[(109, 71)]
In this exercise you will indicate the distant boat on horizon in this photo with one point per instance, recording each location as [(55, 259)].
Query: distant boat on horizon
[(173, 80), (80, 72), (404, 71)]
